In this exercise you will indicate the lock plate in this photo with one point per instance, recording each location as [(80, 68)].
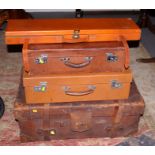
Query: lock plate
[(76, 34), (41, 87), (42, 59), (111, 57), (116, 84), (53, 132)]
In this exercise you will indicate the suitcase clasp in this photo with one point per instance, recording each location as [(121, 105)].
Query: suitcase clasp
[(41, 88), (42, 59), (76, 34), (116, 84), (111, 57)]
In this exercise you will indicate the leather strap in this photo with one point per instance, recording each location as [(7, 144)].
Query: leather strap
[(46, 121), (118, 114), (127, 54), (25, 56)]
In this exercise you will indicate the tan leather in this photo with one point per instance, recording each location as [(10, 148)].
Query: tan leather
[(52, 30), (57, 85), (127, 54), (77, 58), (25, 55)]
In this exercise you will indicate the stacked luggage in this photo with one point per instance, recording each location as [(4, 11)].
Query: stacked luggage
[(76, 78)]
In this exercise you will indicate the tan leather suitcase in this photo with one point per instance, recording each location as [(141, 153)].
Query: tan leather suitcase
[(79, 119), (70, 30), (82, 87), (66, 58)]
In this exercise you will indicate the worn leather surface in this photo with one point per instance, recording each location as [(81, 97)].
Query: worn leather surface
[(42, 59), (79, 119), (10, 65)]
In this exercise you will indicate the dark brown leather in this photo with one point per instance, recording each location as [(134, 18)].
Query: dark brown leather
[(44, 59), (79, 119)]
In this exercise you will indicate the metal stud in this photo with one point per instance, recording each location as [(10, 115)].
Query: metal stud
[(52, 132), (34, 110)]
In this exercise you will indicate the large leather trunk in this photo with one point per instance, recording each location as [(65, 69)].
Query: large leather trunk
[(89, 119), (98, 57), (76, 87), (70, 30)]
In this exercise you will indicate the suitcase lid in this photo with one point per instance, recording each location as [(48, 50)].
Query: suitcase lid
[(77, 46), (86, 26), (78, 79)]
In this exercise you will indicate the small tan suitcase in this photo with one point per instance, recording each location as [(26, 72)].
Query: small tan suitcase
[(72, 87), (43, 59)]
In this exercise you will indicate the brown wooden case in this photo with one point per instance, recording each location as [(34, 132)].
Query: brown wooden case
[(96, 57), (73, 87), (70, 30), (91, 119)]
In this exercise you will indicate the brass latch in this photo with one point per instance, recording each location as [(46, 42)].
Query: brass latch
[(76, 34), (116, 84), (111, 57), (42, 59), (41, 87)]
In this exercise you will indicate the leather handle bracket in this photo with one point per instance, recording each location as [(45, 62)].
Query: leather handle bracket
[(25, 56), (127, 54)]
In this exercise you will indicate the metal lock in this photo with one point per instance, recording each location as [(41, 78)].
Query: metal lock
[(34, 110), (116, 84), (41, 88), (111, 57), (76, 34), (52, 132), (42, 59)]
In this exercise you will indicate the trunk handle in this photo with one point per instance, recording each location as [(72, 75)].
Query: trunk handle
[(90, 90), (66, 61)]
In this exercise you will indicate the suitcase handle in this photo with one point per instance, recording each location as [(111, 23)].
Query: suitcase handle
[(90, 90), (67, 62)]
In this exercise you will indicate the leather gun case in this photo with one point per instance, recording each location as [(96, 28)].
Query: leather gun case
[(89, 119), (70, 30)]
